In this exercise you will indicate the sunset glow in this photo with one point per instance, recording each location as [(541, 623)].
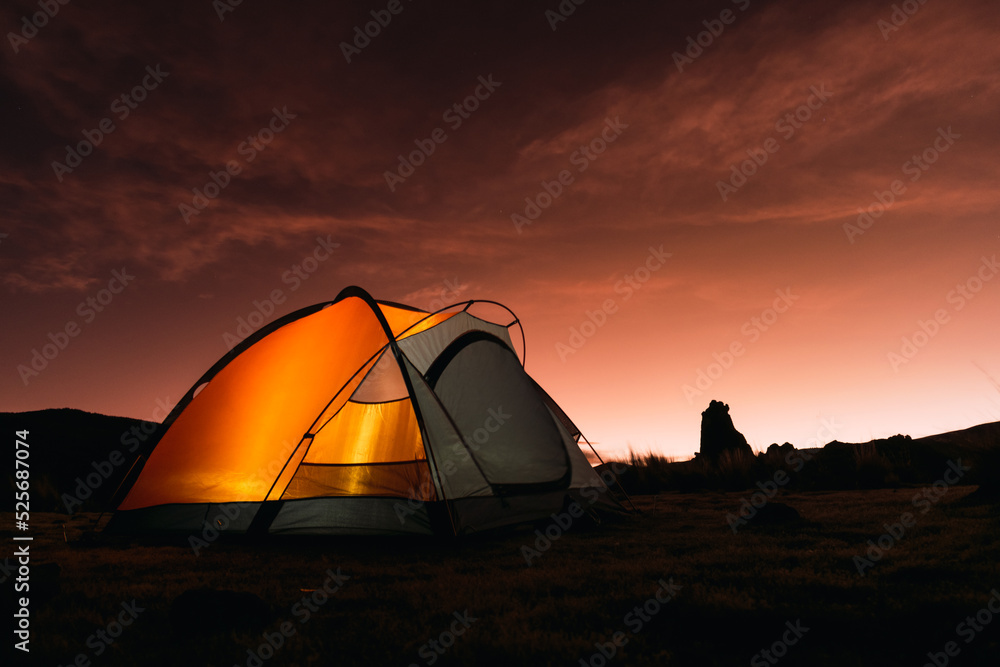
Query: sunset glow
[(795, 211)]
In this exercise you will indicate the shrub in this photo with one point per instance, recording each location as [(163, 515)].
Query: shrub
[(873, 469), (734, 470)]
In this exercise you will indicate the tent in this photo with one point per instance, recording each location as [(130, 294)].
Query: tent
[(359, 416)]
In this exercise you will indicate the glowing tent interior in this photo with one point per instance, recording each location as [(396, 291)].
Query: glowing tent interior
[(363, 417)]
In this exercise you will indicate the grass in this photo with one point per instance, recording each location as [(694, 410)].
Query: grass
[(737, 591), (879, 464)]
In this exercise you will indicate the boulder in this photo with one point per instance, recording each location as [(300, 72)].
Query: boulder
[(718, 434)]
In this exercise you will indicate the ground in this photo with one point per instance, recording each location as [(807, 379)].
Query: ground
[(673, 585)]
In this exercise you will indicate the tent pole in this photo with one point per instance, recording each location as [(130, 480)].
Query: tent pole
[(617, 483)]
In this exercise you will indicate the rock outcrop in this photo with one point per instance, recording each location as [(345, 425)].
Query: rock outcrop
[(718, 434)]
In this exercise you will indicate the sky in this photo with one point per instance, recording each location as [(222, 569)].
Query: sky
[(789, 207)]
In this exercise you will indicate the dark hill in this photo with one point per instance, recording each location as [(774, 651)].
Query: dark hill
[(75, 453), (900, 459)]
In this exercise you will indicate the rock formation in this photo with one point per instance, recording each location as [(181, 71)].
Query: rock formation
[(718, 434)]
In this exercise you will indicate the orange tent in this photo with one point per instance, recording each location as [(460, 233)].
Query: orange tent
[(357, 416)]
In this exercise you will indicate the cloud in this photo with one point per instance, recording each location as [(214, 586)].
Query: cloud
[(325, 172)]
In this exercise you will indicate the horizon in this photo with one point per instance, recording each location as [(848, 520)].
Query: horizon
[(588, 452), (790, 209)]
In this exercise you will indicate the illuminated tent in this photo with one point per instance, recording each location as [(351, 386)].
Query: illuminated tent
[(363, 417)]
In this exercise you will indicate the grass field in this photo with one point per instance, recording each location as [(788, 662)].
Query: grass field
[(732, 595)]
